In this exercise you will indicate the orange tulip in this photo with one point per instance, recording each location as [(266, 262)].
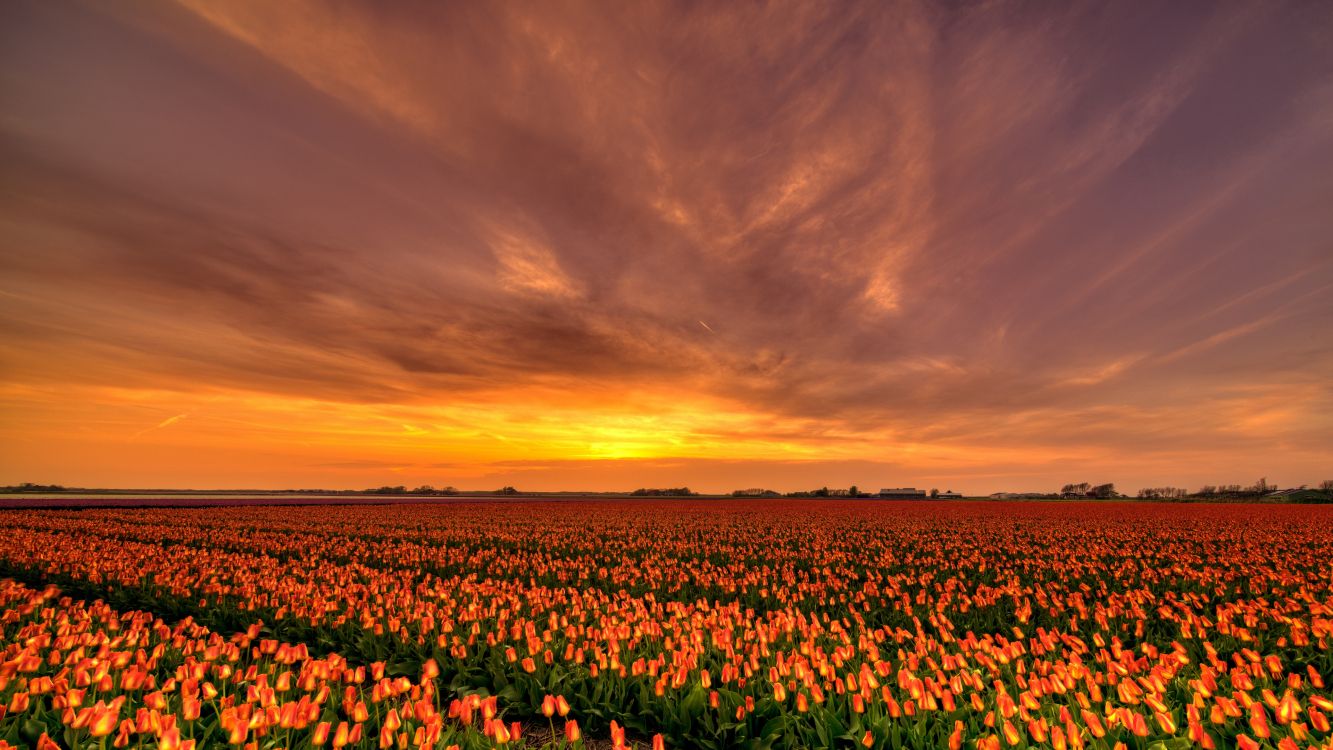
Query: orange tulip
[(341, 736), (104, 721)]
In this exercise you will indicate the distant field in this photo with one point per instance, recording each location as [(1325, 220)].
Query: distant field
[(127, 499), (200, 500), (687, 623)]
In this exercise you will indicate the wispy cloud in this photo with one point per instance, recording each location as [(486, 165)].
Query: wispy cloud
[(169, 421)]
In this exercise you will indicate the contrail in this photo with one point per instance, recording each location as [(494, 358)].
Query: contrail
[(705, 325), (169, 421)]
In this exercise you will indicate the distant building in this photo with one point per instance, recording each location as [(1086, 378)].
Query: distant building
[(903, 493), (1300, 495), (949, 495)]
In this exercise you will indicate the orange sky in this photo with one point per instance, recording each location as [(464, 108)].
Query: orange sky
[(580, 246)]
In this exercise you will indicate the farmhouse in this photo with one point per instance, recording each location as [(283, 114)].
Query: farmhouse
[(904, 493), (950, 495)]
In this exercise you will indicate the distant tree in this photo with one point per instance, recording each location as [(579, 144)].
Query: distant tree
[(1075, 490), (1261, 487), (1326, 485), (450, 490), (1162, 493), (1207, 490), (506, 490), (934, 492), (853, 491), (821, 492), (425, 489), (1103, 491), (664, 492)]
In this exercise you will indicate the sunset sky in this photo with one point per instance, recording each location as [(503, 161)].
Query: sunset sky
[(985, 247)]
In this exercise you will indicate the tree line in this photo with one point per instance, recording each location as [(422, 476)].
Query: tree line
[(1086, 489)]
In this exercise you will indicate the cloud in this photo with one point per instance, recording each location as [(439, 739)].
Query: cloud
[(169, 421), (529, 267), (940, 234)]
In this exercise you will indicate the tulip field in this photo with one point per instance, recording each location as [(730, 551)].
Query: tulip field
[(668, 624)]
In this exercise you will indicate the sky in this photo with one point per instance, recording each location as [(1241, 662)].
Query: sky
[(559, 245)]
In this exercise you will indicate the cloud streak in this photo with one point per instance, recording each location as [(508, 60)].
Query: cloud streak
[(169, 421)]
